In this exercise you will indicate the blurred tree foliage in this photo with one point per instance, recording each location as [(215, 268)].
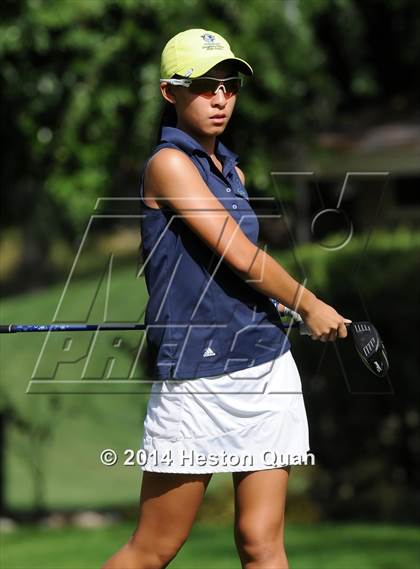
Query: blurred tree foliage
[(80, 101)]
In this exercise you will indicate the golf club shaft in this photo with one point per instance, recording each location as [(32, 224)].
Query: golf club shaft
[(16, 328), (297, 322), (13, 328)]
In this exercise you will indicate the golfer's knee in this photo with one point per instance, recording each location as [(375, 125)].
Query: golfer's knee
[(156, 553), (261, 551), (259, 543)]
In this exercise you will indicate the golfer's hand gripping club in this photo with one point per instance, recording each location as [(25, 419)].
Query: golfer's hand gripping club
[(299, 322)]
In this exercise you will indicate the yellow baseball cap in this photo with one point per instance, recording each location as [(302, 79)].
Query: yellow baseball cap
[(193, 52)]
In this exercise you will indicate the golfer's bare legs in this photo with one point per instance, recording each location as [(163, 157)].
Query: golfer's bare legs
[(168, 507), (260, 499)]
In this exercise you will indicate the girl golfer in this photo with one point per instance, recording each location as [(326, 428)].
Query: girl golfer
[(226, 395)]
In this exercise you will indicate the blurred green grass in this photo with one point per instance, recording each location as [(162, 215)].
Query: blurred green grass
[(320, 546), (84, 423)]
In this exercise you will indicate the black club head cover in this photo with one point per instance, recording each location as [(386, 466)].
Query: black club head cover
[(370, 347)]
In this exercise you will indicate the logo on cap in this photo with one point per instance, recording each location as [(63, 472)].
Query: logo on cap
[(208, 38), (210, 43)]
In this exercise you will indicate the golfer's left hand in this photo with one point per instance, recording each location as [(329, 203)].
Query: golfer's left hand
[(325, 323)]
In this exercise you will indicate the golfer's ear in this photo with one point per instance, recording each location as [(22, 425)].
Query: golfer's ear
[(178, 184), (167, 93)]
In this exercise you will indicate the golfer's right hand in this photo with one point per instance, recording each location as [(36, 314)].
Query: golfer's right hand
[(324, 322)]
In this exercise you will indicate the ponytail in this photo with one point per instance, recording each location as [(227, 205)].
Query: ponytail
[(168, 118)]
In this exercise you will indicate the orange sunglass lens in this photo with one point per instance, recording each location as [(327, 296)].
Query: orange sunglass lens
[(206, 87)]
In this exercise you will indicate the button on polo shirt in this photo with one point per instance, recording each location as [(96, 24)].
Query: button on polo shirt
[(202, 319)]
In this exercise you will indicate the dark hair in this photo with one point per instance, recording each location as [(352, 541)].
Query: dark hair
[(168, 116)]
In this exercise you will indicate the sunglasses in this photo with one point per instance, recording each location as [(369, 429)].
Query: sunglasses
[(208, 86)]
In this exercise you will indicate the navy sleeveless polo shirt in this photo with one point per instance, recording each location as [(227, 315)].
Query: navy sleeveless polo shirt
[(202, 319)]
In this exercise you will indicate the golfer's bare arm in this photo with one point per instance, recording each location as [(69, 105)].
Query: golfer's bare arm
[(176, 182)]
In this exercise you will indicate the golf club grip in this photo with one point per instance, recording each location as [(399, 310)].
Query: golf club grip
[(6, 328)]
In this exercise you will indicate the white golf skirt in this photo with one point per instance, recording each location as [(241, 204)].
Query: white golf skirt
[(252, 419)]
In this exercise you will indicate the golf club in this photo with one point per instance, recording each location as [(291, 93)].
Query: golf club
[(365, 336)]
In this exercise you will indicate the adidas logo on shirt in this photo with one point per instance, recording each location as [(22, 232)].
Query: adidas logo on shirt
[(208, 352)]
